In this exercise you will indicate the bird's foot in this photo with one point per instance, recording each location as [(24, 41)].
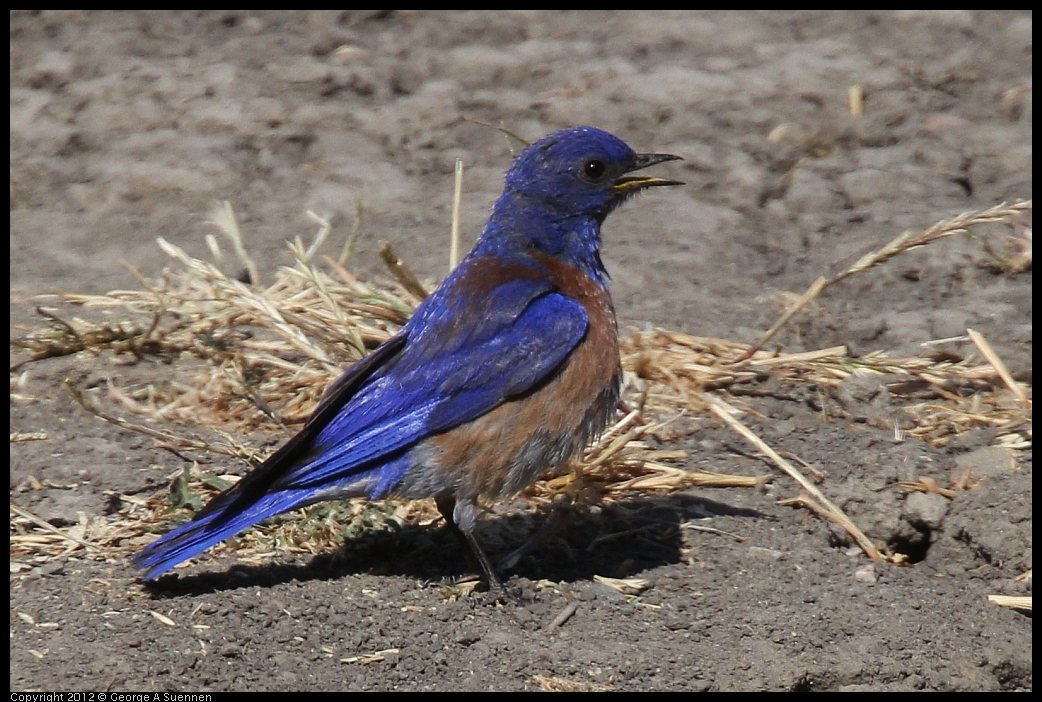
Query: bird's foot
[(475, 588), (454, 588)]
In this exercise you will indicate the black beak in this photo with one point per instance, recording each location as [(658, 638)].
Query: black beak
[(627, 184)]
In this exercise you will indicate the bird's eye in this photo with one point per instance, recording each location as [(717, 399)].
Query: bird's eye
[(593, 170)]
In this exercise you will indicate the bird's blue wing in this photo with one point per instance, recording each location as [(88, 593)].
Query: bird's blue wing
[(510, 363), (430, 388)]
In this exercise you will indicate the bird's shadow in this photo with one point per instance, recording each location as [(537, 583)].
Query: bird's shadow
[(566, 543)]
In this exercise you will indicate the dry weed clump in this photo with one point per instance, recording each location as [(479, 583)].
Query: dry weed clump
[(255, 357)]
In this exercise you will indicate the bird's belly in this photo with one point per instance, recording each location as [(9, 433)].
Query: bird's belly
[(503, 451)]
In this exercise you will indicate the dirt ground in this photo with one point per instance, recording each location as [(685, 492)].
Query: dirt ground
[(128, 126)]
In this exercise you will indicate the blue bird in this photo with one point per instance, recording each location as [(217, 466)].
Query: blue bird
[(510, 368)]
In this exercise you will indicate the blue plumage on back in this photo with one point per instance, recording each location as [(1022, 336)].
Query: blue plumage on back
[(508, 369)]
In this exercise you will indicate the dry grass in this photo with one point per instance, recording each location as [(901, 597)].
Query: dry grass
[(257, 358)]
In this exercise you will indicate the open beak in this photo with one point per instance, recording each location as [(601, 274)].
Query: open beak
[(629, 184)]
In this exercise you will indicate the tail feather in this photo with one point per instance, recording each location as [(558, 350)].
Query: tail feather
[(206, 530)]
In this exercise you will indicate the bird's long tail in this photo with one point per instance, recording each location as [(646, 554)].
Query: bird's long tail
[(212, 527)]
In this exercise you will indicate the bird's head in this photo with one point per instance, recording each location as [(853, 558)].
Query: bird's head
[(582, 171)]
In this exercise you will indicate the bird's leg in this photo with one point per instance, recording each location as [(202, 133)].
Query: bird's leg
[(460, 518)]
